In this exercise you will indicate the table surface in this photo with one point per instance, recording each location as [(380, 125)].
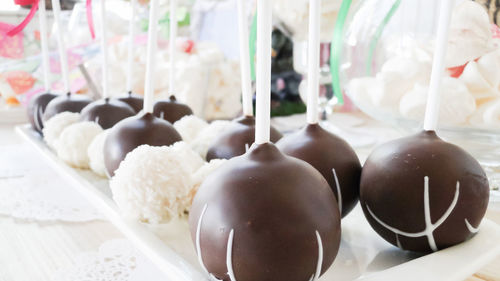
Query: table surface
[(34, 251)]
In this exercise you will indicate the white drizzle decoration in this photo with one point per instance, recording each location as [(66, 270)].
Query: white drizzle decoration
[(229, 256), (339, 193), (470, 227), (429, 226), (229, 252), (247, 147), (398, 243)]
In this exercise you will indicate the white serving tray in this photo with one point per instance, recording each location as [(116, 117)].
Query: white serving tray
[(363, 255)]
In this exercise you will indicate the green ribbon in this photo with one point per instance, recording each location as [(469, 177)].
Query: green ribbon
[(378, 34), (252, 41), (336, 49)]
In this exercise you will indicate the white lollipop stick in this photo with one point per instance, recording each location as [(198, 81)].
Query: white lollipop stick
[(104, 50), (438, 67), (131, 35), (246, 81), (151, 62), (63, 55), (313, 61), (173, 38), (263, 106), (42, 13)]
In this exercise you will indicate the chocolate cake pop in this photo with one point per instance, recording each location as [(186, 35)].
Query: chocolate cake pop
[(133, 132), (237, 139), (36, 108), (144, 128), (263, 215), (332, 157), (135, 101), (421, 193), (245, 229), (171, 110), (107, 112), (67, 102)]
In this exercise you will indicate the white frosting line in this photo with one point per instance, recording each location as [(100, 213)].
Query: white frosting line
[(229, 256), (320, 257), (198, 244), (96, 119), (162, 114), (429, 226), (246, 147), (470, 227), (398, 243), (339, 194)]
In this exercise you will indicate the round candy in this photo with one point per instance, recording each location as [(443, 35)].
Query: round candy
[(67, 102), (135, 101), (36, 108), (423, 194), (134, 131), (171, 110), (237, 138), (107, 112), (265, 216), (332, 157)]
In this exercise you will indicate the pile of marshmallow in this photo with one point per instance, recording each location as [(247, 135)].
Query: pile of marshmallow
[(470, 91), (152, 184)]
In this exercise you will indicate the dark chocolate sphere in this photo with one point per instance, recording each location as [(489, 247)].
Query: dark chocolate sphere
[(171, 110), (36, 108), (237, 138), (135, 101), (63, 103), (107, 112), (135, 131), (332, 157), (265, 216), (423, 194)]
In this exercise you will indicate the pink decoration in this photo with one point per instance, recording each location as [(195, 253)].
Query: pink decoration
[(10, 47)]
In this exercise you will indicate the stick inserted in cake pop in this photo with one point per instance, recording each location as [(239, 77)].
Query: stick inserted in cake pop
[(246, 79), (313, 61), (63, 56), (240, 134), (173, 38), (66, 102), (104, 50), (38, 104), (151, 62), (131, 38), (263, 104), (438, 67)]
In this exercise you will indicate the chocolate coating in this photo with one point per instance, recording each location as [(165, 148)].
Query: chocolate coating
[(107, 112), (135, 131), (63, 103), (325, 152), (394, 190), (36, 108), (274, 205), (171, 110), (237, 138), (135, 101)]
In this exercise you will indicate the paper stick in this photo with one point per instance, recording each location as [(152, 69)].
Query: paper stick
[(151, 62), (246, 79), (42, 13), (63, 55), (313, 62), (263, 110), (131, 35), (104, 50), (438, 67), (173, 38)]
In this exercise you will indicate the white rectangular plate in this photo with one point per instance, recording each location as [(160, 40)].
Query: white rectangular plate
[(363, 255)]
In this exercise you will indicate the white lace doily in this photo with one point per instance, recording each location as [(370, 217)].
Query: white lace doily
[(31, 191), (116, 260)]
